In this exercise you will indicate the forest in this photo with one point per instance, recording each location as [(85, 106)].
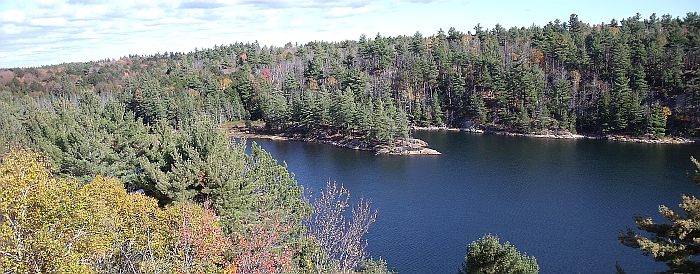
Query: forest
[(635, 77), (153, 125)]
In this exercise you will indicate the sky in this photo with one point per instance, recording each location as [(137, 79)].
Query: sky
[(45, 32)]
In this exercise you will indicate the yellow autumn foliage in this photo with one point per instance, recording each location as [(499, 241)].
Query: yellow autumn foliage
[(38, 221), (49, 224)]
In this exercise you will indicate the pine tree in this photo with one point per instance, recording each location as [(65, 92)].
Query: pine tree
[(276, 111), (477, 108), (622, 103), (436, 109), (674, 243), (603, 116), (308, 111), (489, 256), (657, 121), (417, 44)]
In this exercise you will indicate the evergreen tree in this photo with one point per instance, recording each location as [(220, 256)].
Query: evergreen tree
[(657, 121), (488, 255), (344, 107), (290, 83), (436, 109), (276, 111), (674, 243), (623, 102), (598, 78), (308, 111), (603, 113), (477, 107), (417, 44)]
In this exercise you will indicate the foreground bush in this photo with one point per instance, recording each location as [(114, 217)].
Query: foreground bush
[(488, 255)]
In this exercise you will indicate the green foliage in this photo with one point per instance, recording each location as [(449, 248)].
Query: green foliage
[(12, 133), (84, 138), (674, 243), (371, 266), (657, 121), (477, 108), (488, 255), (276, 111), (575, 76), (187, 158)]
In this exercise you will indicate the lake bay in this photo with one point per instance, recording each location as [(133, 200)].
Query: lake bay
[(562, 201)]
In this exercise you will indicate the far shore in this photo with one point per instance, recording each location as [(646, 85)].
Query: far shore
[(566, 135)]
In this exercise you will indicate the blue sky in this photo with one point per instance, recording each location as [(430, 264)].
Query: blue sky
[(43, 32)]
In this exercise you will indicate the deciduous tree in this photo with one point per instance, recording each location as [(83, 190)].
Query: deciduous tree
[(341, 240)]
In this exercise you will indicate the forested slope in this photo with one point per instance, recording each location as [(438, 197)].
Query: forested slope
[(633, 77)]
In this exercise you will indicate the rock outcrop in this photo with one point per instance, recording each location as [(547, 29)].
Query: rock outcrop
[(409, 146)]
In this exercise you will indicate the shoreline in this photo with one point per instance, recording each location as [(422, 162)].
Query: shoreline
[(413, 146), (565, 135)]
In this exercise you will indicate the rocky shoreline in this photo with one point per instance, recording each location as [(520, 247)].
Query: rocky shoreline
[(409, 146), (568, 135), (413, 146)]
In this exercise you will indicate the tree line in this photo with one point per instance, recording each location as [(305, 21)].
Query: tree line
[(635, 77)]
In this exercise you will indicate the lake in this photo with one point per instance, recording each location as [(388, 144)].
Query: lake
[(562, 201)]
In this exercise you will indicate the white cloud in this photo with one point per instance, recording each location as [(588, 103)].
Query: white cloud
[(12, 16), (89, 12), (52, 36), (49, 4), (175, 20), (330, 27), (48, 22), (347, 11), (272, 22), (88, 34), (296, 23), (149, 14), (10, 29)]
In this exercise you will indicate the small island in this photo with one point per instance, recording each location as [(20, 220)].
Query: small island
[(399, 146)]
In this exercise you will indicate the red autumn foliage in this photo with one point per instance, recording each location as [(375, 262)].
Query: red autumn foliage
[(202, 241), (260, 250), (6, 76), (266, 74)]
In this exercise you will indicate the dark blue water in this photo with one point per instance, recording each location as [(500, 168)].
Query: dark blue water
[(562, 201)]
